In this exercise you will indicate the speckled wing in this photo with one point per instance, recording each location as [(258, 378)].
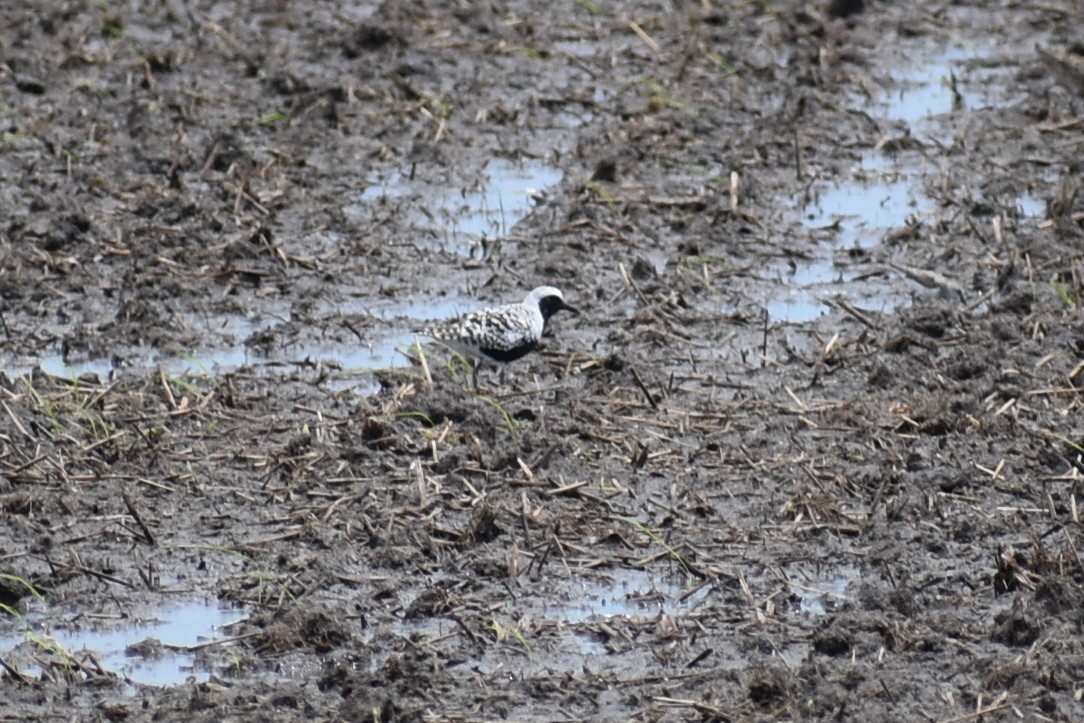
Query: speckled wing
[(499, 328)]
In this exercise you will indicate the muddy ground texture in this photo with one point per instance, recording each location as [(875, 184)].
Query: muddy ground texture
[(683, 508)]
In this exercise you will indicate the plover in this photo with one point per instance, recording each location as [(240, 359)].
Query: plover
[(501, 334)]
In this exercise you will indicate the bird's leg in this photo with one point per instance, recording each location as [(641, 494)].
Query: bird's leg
[(501, 378), (474, 375)]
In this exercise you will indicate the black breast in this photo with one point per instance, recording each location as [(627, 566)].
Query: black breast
[(510, 355)]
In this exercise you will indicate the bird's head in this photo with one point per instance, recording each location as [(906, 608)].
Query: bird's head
[(549, 301)]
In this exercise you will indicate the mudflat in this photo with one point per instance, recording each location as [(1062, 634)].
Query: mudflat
[(811, 450)]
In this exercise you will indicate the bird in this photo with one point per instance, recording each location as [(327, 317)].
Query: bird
[(502, 334)]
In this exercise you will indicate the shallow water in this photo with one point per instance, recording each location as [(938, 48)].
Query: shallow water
[(176, 626)]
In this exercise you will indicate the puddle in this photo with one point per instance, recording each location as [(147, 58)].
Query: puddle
[(206, 363), (507, 196), (926, 91), (883, 192), (357, 359), (1031, 207), (855, 214), (419, 311), (797, 301), (588, 644), (624, 593), (392, 187), (811, 273), (462, 217), (182, 626), (864, 211), (821, 594), (57, 367), (379, 351), (657, 259), (798, 307)]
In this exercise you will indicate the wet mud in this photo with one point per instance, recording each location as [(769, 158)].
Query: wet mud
[(811, 451)]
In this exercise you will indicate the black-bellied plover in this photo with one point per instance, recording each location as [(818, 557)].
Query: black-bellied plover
[(501, 334)]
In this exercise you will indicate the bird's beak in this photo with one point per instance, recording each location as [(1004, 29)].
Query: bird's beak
[(571, 309)]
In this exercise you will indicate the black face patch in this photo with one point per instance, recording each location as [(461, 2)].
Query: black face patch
[(504, 356), (550, 305)]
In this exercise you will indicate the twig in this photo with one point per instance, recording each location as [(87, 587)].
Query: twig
[(165, 385), (13, 672), (129, 502), (104, 576), (11, 471), (696, 705), (797, 156), (226, 37), (565, 489), (977, 714), (470, 633), (18, 424), (689, 593), (643, 388), (212, 643), (640, 33), (631, 283), (1072, 545), (424, 363), (853, 311), (703, 654)]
